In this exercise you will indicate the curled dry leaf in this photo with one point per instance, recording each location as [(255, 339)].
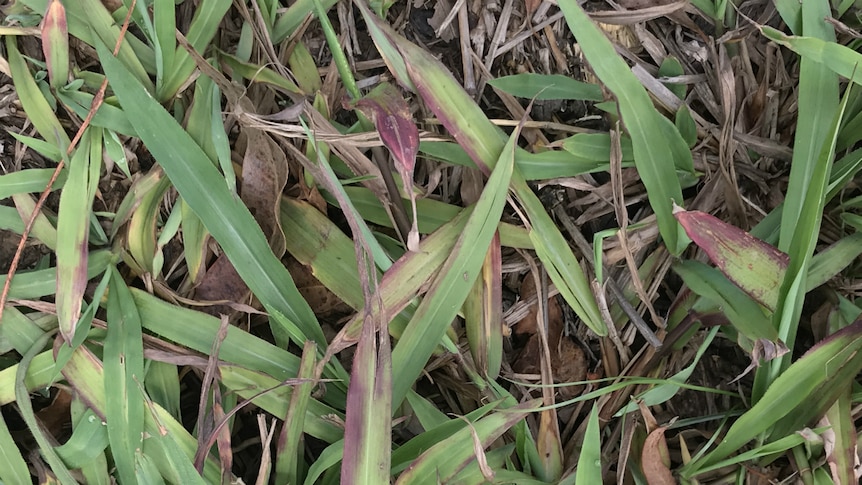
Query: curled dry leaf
[(655, 459)]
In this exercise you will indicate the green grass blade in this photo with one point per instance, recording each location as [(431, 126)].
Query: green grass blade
[(818, 104), (796, 396), (28, 181), (453, 283), (483, 141), (590, 461), (25, 407), (294, 16), (447, 457), (547, 86), (203, 188), (801, 248), (208, 16), (73, 230), (13, 468), (124, 370), (85, 374), (289, 450), (38, 110), (653, 158)]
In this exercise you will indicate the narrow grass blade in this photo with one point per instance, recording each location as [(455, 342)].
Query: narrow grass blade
[(293, 17), (483, 142), (654, 159), (450, 287), (202, 187), (164, 39), (289, 449), (802, 393), (89, 440), (320, 420), (368, 424), (483, 314), (141, 234), (832, 260), (547, 86), (742, 311), (85, 374), (163, 386), (431, 215), (208, 16), (801, 248), (261, 74), (447, 457), (124, 370), (55, 44), (818, 105), (39, 283), (13, 468), (42, 228), (410, 451), (841, 448), (25, 407)]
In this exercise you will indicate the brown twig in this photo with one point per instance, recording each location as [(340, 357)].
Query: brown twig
[(97, 102)]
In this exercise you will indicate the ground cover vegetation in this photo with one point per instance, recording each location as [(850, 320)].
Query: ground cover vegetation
[(430, 241)]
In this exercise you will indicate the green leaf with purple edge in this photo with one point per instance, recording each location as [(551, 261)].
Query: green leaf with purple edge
[(55, 44), (756, 267)]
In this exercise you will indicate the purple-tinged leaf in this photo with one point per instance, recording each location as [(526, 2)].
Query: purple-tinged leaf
[(753, 265), (55, 44), (391, 116)]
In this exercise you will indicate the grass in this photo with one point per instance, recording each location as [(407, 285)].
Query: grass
[(284, 244)]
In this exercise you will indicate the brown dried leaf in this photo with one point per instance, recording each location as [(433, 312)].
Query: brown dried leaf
[(655, 459)]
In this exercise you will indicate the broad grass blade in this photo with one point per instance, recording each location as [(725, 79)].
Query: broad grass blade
[(13, 468), (55, 44), (203, 188), (86, 375), (208, 16), (73, 229), (289, 449), (483, 314), (590, 461), (368, 425), (25, 408), (754, 266), (124, 370), (547, 86), (38, 110)]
